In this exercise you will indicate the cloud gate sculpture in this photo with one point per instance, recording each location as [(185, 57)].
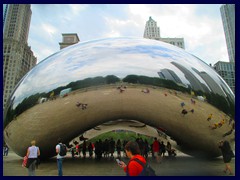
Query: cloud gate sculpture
[(95, 82)]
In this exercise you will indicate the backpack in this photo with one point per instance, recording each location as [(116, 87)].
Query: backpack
[(63, 150), (147, 169)]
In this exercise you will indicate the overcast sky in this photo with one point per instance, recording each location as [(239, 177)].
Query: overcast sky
[(200, 25)]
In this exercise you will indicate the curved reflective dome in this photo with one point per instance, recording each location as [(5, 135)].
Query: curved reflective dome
[(91, 83)]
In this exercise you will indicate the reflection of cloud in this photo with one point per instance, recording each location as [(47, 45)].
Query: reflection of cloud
[(116, 56)]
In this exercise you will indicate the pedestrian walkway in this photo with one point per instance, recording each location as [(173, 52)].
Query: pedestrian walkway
[(182, 165)]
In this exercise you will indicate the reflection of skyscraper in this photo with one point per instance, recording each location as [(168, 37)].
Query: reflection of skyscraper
[(228, 19), (169, 75), (152, 31), (17, 55), (210, 82), (194, 82)]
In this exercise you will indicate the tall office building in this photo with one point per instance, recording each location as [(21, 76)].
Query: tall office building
[(18, 57), (228, 20), (152, 31), (5, 10), (227, 71)]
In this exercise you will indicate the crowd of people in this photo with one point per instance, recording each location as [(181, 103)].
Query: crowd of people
[(106, 149), (132, 149)]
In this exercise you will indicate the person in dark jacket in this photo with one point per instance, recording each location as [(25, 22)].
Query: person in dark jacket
[(133, 152), (227, 155)]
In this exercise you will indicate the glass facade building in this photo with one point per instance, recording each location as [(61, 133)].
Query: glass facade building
[(228, 20), (227, 71)]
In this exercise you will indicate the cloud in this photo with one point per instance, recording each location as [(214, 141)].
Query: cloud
[(199, 30), (77, 8), (119, 27), (51, 30), (199, 25)]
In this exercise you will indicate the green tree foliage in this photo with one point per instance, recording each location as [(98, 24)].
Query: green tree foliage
[(154, 81)]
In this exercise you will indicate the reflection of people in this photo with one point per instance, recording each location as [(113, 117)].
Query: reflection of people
[(214, 126), (84, 106), (227, 155), (228, 133), (192, 110), (209, 117), (221, 123), (133, 168), (182, 104), (184, 112), (121, 88), (51, 95), (146, 90), (32, 153)]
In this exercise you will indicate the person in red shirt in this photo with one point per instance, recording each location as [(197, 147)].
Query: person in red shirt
[(156, 148), (133, 152)]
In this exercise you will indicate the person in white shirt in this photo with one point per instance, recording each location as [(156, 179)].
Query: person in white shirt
[(32, 153)]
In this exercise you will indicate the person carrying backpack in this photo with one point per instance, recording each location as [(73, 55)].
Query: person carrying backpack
[(61, 152), (137, 166)]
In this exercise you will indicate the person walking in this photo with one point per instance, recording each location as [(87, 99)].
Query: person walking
[(59, 157), (227, 154), (118, 147), (134, 168), (156, 148), (32, 153), (5, 150)]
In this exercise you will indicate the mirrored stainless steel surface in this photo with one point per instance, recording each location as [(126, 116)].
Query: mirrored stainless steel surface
[(100, 73)]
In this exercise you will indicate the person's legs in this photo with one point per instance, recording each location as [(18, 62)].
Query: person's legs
[(31, 169), (228, 167), (157, 157), (59, 164)]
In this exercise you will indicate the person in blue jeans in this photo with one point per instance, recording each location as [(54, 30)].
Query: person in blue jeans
[(59, 158)]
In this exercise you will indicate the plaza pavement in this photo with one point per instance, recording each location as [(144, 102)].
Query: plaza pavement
[(182, 165)]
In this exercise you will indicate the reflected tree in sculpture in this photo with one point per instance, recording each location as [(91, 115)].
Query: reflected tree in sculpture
[(94, 70)]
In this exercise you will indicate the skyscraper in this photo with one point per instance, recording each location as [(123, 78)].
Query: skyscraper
[(152, 31), (17, 55), (5, 10), (227, 71), (228, 20)]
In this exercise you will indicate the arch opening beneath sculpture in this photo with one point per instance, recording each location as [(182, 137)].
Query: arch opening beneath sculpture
[(62, 117)]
